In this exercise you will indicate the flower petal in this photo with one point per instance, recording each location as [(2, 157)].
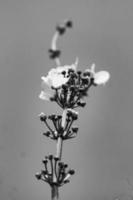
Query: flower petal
[(101, 77), (46, 81), (44, 96), (58, 80)]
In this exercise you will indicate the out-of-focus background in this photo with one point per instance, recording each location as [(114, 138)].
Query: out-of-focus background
[(102, 153)]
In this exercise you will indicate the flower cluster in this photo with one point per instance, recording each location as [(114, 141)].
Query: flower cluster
[(67, 86), (66, 132), (58, 174), (54, 81)]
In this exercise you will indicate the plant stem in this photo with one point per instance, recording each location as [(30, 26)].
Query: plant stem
[(60, 141), (54, 192), (54, 188), (59, 148)]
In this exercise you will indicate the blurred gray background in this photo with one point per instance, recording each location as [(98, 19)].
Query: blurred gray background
[(102, 153)]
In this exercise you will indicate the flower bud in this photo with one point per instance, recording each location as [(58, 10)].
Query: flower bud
[(54, 53), (65, 165), (44, 161), (52, 117), (72, 113), (61, 164), (50, 157), (38, 176), (43, 172), (56, 158), (69, 24), (71, 172), (61, 29), (81, 103), (43, 117), (66, 181), (79, 72), (75, 129), (47, 134), (87, 73)]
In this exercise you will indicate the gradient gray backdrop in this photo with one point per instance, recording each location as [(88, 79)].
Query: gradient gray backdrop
[(102, 154)]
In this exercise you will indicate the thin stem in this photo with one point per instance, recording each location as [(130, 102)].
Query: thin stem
[(54, 188), (60, 141), (58, 99), (53, 47), (59, 148), (48, 127), (64, 118), (54, 192), (69, 126)]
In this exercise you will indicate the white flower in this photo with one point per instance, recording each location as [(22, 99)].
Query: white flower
[(55, 78), (45, 95), (100, 77)]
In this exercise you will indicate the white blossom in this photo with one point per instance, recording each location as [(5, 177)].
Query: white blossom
[(55, 78), (100, 77)]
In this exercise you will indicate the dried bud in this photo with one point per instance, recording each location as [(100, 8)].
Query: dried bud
[(61, 29), (71, 172), (43, 117), (72, 113), (65, 165), (52, 117), (87, 73), (69, 24), (81, 103), (44, 161), (43, 172), (50, 157), (79, 72), (66, 181), (61, 164), (54, 53), (75, 129), (47, 134), (59, 116), (56, 158), (63, 72), (38, 176)]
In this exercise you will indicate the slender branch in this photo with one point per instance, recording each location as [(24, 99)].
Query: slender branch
[(60, 141), (48, 126), (53, 47), (54, 192), (59, 148), (54, 187)]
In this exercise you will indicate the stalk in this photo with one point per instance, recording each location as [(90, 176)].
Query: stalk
[(60, 141), (54, 192), (54, 187)]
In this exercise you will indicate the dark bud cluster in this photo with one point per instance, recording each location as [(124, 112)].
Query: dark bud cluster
[(71, 94), (43, 117), (55, 172), (69, 24), (81, 103), (58, 131), (62, 28), (54, 53)]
